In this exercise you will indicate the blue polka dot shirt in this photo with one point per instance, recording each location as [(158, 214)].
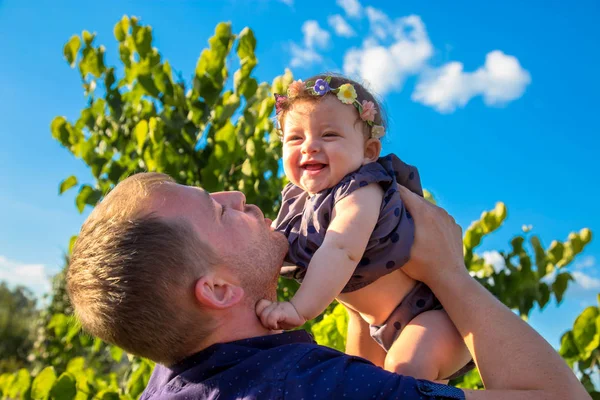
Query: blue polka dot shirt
[(290, 366)]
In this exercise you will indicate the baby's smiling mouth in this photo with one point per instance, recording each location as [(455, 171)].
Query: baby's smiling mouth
[(312, 166)]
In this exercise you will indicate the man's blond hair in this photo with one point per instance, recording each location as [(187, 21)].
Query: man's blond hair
[(131, 276)]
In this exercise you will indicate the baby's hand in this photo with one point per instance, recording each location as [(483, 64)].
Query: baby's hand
[(277, 316)]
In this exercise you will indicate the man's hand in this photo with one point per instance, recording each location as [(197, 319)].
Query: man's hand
[(437, 252), (276, 316)]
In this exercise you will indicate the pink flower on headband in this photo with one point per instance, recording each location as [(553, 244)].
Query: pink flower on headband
[(368, 111), (295, 88)]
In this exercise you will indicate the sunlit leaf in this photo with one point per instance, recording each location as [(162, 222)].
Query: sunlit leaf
[(42, 384)]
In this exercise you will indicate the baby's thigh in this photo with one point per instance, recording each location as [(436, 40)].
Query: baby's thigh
[(429, 347)]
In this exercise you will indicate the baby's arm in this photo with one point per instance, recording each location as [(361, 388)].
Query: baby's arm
[(353, 221)]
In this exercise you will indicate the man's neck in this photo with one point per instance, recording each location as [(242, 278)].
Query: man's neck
[(236, 324)]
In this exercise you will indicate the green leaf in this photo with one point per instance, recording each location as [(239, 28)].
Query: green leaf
[(72, 243), (576, 243), (586, 235), (59, 323), (42, 384), (116, 353), (331, 330), (92, 62), (568, 348), (67, 184), (540, 254), (76, 365), (587, 382), (20, 384), (121, 29), (142, 37), (247, 168), (141, 133), (544, 295), (139, 379), (560, 285), (585, 331), (227, 143), (429, 197), (87, 195), (473, 236), (74, 328), (246, 43), (88, 38), (125, 54), (60, 130), (5, 381), (107, 395), (64, 388), (71, 49), (147, 82), (555, 252)]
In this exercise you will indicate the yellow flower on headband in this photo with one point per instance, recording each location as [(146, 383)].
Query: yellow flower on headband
[(346, 93)]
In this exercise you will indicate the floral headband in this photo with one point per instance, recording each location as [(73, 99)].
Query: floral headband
[(345, 93)]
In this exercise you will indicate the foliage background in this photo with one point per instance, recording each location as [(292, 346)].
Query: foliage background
[(216, 130)]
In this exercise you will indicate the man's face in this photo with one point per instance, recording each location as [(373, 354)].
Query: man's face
[(240, 235)]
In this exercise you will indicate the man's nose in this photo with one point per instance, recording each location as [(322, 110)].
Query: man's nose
[(235, 200)]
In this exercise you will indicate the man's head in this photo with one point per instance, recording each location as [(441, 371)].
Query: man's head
[(158, 266)]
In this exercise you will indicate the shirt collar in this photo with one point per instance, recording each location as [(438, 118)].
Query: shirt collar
[(223, 354)]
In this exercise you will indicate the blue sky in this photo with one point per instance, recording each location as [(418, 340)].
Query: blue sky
[(492, 101)]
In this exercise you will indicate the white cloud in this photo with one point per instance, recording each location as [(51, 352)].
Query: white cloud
[(499, 81), (314, 35), (496, 260), (302, 56), (379, 22), (33, 276), (287, 2), (586, 262), (585, 281), (385, 67), (340, 26), (351, 7), (550, 278)]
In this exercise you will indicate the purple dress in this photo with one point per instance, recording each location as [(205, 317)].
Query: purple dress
[(304, 220)]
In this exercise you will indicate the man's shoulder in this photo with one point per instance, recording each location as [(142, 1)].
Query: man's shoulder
[(229, 371), (326, 373), (288, 371)]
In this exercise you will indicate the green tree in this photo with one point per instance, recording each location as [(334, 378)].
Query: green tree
[(580, 347), (201, 132), (17, 314)]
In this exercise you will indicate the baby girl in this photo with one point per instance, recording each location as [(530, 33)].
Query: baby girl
[(350, 234)]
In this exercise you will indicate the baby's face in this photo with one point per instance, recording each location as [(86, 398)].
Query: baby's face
[(321, 143)]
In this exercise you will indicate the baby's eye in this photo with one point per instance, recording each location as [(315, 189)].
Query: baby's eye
[(330, 134), (292, 138)]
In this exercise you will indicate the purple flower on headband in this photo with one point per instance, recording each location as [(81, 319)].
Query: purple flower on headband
[(321, 87)]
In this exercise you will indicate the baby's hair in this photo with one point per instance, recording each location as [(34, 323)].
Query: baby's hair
[(337, 80)]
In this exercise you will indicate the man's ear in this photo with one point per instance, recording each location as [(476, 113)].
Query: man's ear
[(372, 150), (217, 293)]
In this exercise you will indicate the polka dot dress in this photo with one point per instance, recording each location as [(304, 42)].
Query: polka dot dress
[(304, 220)]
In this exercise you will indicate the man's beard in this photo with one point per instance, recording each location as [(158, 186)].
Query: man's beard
[(259, 272)]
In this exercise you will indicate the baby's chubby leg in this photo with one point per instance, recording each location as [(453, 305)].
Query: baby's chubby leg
[(359, 341), (429, 347)]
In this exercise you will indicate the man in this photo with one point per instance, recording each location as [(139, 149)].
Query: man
[(173, 273)]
